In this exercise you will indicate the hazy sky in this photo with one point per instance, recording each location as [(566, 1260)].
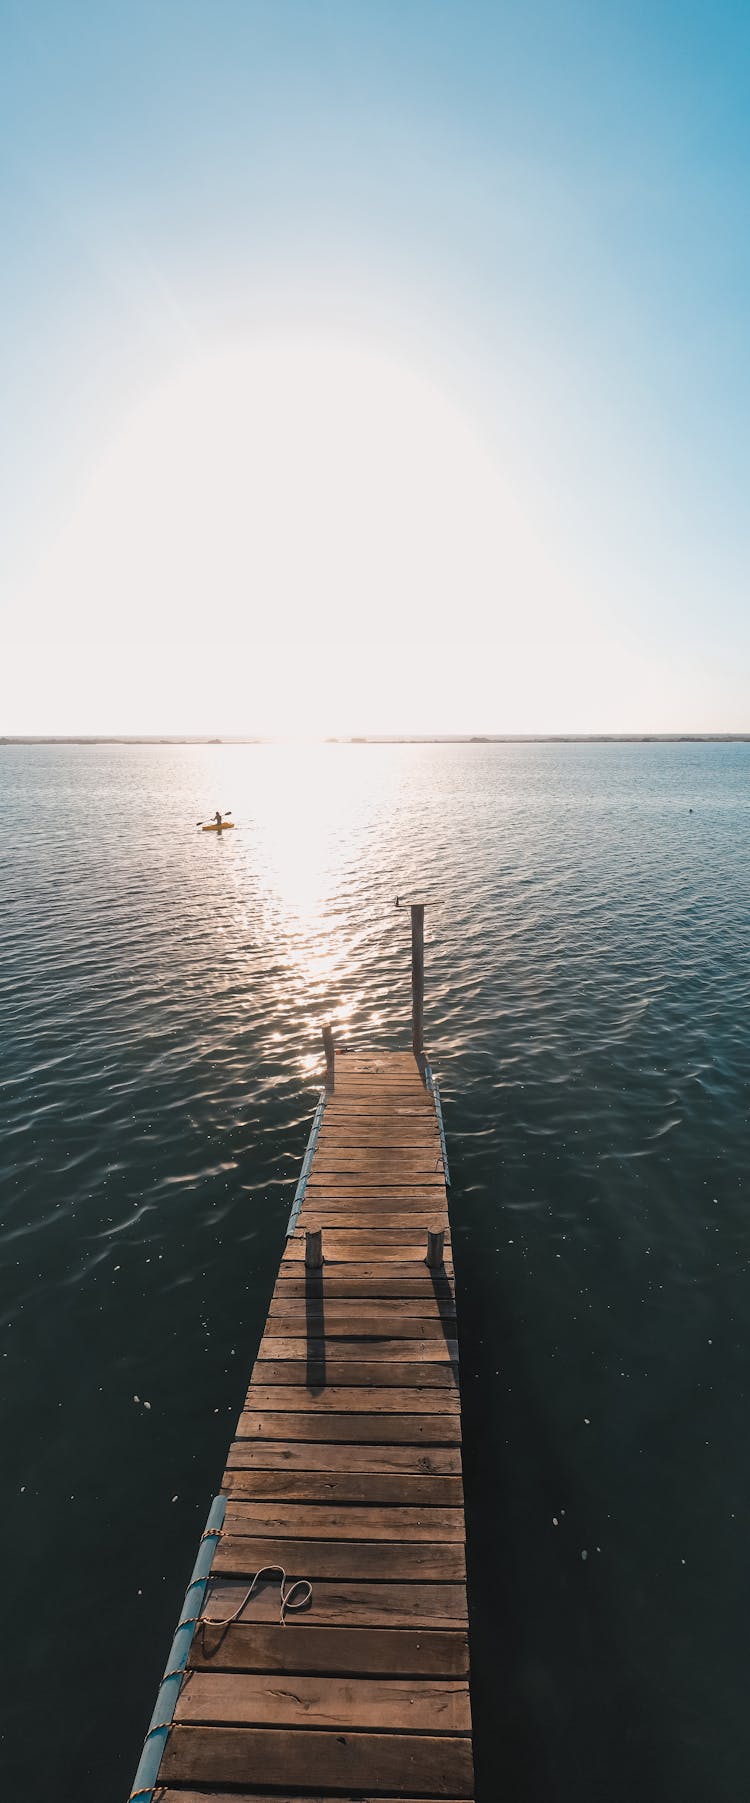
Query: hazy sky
[(373, 366)]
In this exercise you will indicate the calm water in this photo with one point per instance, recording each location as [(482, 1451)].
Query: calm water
[(588, 1013)]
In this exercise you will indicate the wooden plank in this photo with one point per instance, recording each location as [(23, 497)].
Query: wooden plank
[(300, 1647), (381, 1156), (424, 1192), (341, 1189), (348, 1291), (378, 1163), (166, 1795), (370, 1108), (344, 1487), (419, 1285), (380, 1231), (389, 1076), (350, 1129), (423, 1305), (353, 1522), (363, 1216), (374, 1585), (273, 1455), (405, 1565), (339, 1320), (333, 1352), (422, 1142), (420, 1145), (346, 1193), (366, 1217), (339, 1399), (316, 1372), (357, 1176), (349, 1760), (274, 1423), (404, 1257), (379, 1243), (377, 1184), (382, 1084), (368, 1143), (376, 1351), (384, 1099), (435, 1705)]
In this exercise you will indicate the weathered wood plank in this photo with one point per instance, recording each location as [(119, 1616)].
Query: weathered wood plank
[(385, 1103), (373, 1145), (354, 1583), (315, 1372), (274, 1455), (435, 1705), (376, 1351), (381, 1131), (344, 1487), (402, 1320), (300, 1647), (419, 1285), (338, 1186), (273, 1423), (378, 1163), (364, 1217), (338, 1399), (313, 1521), (349, 1760), (405, 1258), (166, 1795), (371, 1238)]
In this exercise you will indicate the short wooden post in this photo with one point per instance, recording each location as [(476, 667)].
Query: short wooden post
[(435, 1250), (313, 1248), (330, 1053), (417, 978)]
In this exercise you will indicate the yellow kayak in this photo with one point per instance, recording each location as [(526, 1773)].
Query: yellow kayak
[(214, 828)]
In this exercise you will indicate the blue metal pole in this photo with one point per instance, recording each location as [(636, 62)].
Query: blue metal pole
[(144, 1782), (299, 1194), (431, 1084)]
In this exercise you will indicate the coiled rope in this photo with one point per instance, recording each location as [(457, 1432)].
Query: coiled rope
[(223, 1623)]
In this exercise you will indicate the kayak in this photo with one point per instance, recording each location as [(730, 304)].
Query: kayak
[(213, 828)]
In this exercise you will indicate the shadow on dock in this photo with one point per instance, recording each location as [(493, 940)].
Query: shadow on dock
[(315, 1376)]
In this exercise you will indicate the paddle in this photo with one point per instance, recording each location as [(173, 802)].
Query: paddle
[(225, 816)]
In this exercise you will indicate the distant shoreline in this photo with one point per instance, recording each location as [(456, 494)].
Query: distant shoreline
[(508, 738)]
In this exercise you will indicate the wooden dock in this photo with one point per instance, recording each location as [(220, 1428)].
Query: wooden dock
[(346, 1472)]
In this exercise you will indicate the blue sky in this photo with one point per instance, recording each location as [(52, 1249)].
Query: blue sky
[(538, 211)]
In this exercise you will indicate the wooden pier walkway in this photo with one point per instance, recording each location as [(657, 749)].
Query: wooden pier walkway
[(346, 1472)]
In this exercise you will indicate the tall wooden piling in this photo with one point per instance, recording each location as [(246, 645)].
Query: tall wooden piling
[(417, 978), (330, 1056)]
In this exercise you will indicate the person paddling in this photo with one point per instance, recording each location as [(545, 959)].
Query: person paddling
[(218, 819)]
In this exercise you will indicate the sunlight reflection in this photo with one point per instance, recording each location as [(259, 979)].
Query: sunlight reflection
[(309, 819)]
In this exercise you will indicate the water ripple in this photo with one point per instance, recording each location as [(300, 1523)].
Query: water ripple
[(588, 991)]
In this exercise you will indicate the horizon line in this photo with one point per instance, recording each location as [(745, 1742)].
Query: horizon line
[(394, 738)]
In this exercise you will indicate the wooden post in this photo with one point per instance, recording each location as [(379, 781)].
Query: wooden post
[(313, 1248), (435, 1250), (417, 978), (330, 1053)]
